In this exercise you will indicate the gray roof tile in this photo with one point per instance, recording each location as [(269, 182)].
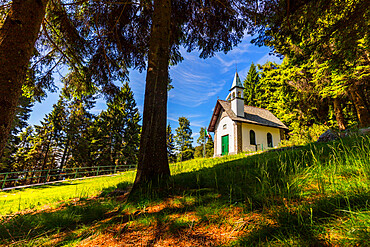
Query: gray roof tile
[(252, 115)]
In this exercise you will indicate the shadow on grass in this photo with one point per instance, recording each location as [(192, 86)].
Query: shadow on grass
[(73, 223), (68, 218), (306, 226), (257, 183)]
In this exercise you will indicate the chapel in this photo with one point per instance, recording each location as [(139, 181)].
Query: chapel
[(239, 128)]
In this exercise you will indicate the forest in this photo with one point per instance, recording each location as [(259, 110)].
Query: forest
[(322, 83)]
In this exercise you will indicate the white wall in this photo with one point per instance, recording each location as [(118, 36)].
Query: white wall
[(261, 136), (221, 132), (237, 102)]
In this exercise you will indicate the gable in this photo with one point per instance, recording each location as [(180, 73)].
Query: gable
[(252, 115)]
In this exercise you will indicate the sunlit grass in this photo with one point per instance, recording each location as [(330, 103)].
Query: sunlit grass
[(316, 195), (36, 197)]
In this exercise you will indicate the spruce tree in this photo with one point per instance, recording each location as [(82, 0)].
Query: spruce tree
[(23, 112), (183, 140), (170, 144), (209, 148), (251, 87), (334, 65), (118, 130)]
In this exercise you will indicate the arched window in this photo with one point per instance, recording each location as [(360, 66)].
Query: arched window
[(252, 137), (233, 95), (269, 140), (239, 94)]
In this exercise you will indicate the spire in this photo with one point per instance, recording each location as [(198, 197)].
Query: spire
[(236, 82)]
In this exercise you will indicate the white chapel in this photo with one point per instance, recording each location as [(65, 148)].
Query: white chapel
[(239, 128)]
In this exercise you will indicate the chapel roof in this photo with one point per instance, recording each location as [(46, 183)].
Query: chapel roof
[(252, 115)]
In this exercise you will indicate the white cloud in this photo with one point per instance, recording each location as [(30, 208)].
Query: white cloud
[(194, 84)]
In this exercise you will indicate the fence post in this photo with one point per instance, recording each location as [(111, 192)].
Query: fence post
[(46, 177), (115, 168), (76, 172), (6, 176), (97, 171)]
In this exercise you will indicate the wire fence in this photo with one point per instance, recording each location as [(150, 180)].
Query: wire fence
[(13, 179)]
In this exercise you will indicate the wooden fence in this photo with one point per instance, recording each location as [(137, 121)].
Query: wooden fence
[(13, 179)]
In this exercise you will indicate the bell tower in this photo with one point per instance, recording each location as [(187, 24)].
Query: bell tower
[(236, 96)]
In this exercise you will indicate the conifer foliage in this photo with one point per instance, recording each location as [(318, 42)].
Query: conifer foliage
[(118, 130), (184, 140), (170, 144), (251, 87), (205, 148), (325, 47), (71, 136)]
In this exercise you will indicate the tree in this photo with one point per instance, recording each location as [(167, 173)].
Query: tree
[(18, 35), (183, 139), (202, 136), (251, 87), (79, 135), (170, 144), (199, 150), (209, 148), (7, 160), (100, 41), (153, 160), (335, 61), (215, 27), (118, 130), (204, 140)]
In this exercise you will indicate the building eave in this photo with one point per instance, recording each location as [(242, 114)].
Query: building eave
[(220, 105), (260, 124), (214, 118)]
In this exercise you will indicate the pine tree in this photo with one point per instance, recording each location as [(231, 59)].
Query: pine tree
[(19, 124), (183, 140), (118, 130), (209, 148), (18, 35), (335, 64), (170, 145), (78, 132), (202, 136), (203, 140), (251, 87)]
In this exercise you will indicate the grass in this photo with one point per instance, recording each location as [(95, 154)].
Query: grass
[(37, 197), (315, 195)]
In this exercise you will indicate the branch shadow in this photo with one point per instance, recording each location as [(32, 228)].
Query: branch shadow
[(255, 183)]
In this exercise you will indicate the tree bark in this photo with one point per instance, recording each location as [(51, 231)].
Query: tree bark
[(338, 111), (153, 162), (17, 39), (45, 157), (64, 156), (360, 105)]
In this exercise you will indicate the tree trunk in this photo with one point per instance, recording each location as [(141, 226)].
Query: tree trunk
[(153, 163), (45, 158), (64, 156), (339, 114), (17, 39), (360, 105)]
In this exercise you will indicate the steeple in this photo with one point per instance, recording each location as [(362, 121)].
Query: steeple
[(236, 82), (236, 96)]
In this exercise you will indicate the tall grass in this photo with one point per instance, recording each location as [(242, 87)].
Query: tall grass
[(36, 197), (315, 195)]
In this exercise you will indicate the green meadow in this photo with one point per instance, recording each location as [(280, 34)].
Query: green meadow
[(313, 195)]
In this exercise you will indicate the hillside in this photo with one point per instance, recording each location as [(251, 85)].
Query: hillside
[(315, 195)]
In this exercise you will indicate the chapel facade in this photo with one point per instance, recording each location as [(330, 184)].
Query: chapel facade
[(240, 128)]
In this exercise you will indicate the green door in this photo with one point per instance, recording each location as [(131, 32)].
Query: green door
[(225, 145)]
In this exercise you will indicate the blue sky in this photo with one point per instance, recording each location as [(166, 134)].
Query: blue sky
[(197, 85)]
